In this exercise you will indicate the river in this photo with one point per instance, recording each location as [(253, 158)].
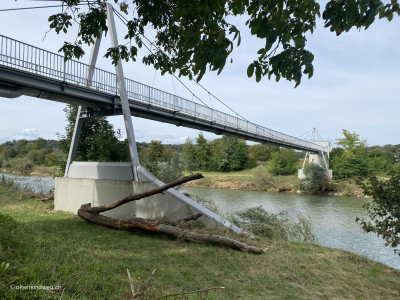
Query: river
[(333, 217), (38, 184)]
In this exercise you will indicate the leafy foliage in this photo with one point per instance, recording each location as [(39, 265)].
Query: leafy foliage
[(283, 162), (192, 39), (170, 171), (384, 209), (188, 156), (275, 226), (316, 181), (263, 179), (228, 154), (164, 162), (262, 152), (355, 159), (98, 140), (203, 152), (23, 156)]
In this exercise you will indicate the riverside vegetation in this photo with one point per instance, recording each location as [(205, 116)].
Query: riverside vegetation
[(79, 260), (225, 162)]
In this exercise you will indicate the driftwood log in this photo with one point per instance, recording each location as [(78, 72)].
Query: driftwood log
[(162, 226)]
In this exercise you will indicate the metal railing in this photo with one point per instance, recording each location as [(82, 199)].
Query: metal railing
[(40, 62)]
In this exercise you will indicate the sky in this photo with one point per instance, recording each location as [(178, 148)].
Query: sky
[(355, 85)]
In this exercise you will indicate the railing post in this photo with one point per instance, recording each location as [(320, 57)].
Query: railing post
[(149, 96), (65, 64)]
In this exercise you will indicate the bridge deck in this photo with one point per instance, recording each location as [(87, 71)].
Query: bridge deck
[(32, 71)]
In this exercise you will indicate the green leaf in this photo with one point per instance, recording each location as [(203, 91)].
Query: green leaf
[(258, 74), (250, 70)]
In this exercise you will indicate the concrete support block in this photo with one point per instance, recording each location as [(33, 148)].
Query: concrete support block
[(71, 193)]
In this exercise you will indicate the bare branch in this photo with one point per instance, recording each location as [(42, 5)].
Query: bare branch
[(133, 197)]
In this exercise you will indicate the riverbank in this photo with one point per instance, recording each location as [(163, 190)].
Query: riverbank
[(37, 171), (256, 179), (90, 261), (259, 179)]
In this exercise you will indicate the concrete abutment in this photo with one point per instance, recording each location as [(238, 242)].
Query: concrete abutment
[(102, 183)]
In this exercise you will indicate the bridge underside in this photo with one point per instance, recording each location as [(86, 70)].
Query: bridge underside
[(17, 83)]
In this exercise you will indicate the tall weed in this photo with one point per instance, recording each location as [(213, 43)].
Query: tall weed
[(276, 226)]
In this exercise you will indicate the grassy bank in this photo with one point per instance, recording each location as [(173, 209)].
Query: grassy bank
[(52, 248), (259, 179), (41, 171)]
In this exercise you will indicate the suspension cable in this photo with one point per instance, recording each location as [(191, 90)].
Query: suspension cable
[(124, 21), (45, 6)]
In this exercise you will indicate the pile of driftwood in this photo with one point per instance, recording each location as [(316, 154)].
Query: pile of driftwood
[(162, 226)]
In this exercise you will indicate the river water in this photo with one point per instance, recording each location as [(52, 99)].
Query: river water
[(38, 184), (332, 217)]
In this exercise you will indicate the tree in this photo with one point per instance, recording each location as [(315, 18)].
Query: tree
[(262, 152), (384, 209), (188, 156), (352, 145), (151, 156), (228, 154), (170, 171), (203, 152), (283, 162), (98, 140), (193, 38), (352, 160)]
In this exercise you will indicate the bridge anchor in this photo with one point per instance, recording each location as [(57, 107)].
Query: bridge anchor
[(320, 158), (100, 183)]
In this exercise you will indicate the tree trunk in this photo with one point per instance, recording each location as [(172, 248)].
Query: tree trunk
[(162, 226)]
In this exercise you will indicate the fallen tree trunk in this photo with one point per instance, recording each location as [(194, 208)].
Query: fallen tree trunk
[(162, 226)]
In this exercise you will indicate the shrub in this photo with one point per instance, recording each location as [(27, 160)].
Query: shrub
[(169, 171), (316, 181), (262, 178), (20, 165), (12, 183), (275, 226), (283, 162), (205, 202), (383, 210)]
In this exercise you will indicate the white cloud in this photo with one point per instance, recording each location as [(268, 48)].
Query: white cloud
[(26, 134), (29, 131)]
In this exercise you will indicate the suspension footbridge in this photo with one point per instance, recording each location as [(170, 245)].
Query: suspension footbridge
[(32, 71)]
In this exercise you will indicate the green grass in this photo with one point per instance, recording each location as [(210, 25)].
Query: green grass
[(247, 180), (55, 248)]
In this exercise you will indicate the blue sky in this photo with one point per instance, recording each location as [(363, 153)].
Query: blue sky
[(355, 85)]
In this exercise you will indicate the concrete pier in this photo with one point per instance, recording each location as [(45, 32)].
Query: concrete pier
[(102, 183)]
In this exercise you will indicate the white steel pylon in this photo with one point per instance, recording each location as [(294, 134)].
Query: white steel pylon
[(316, 138), (123, 99)]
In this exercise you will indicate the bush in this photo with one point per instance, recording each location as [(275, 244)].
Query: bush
[(263, 179), (383, 210), (20, 165), (275, 226), (205, 202), (51, 159), (169, 171), (283, 162), (316, 180), (12, 183)]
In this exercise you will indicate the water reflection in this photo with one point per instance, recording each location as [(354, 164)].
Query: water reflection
[(333, 218), (38, 184)]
